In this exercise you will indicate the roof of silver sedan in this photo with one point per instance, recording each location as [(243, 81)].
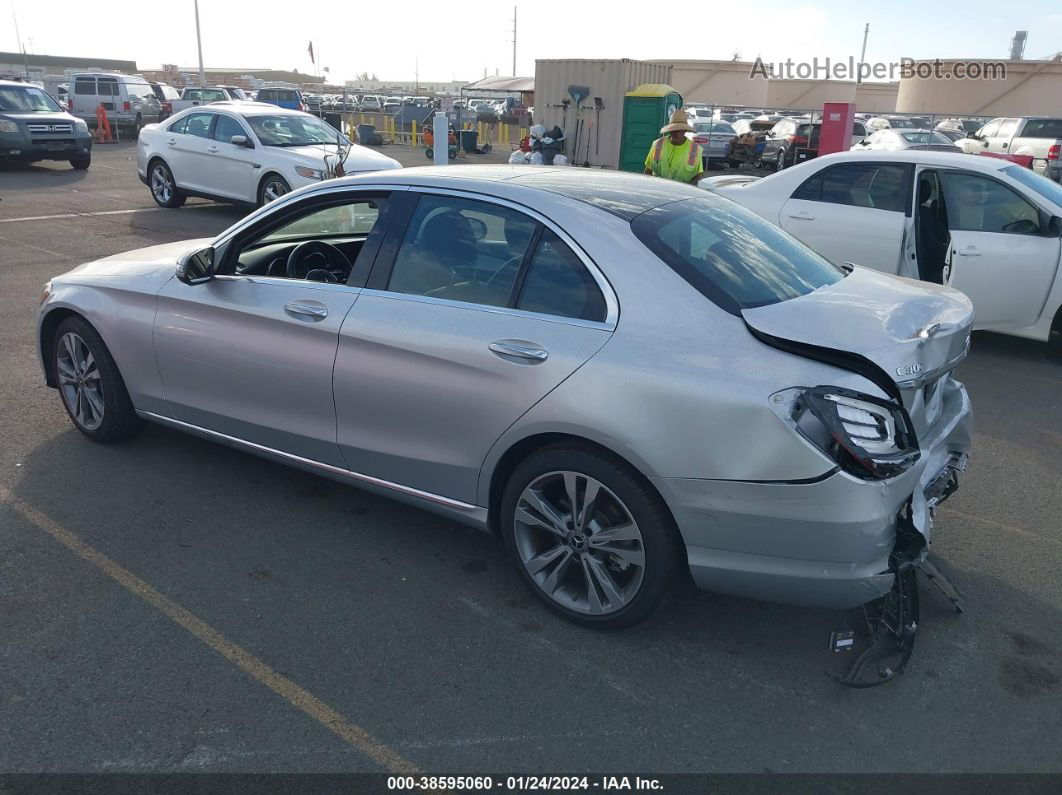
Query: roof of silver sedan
[(621, 193)]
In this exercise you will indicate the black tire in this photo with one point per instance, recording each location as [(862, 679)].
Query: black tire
[(734, 163), (266, 182), (119, 421), (660, 539), (138, 123), (174, 198), (81, 163), (779, 164)]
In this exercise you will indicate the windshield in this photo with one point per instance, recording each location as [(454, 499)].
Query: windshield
[(730, 255), (1047, 188), (27, 98), (719, 127), (293, 130)]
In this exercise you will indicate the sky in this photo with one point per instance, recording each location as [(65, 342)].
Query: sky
[(460, 40)]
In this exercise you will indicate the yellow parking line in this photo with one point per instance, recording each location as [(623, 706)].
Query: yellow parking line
[(297, 696)]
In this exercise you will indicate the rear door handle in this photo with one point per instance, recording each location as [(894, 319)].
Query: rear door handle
[(969, 251), (310, 310), (520, 349)]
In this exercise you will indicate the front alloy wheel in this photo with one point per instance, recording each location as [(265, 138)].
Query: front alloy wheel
[(79, 381), (273, 188)]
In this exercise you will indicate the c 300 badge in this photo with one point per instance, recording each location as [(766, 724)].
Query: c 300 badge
[(909, 369)]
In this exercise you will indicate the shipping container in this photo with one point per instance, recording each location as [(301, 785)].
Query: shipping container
[(608, 79)]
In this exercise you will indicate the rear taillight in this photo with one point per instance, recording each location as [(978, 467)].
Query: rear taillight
[(1055, 152), (167, 107), (701, 139), (798, 140), (301, 107), (126, 106), (867, 437)]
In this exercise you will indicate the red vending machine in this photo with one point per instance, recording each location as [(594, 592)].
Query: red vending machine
[(836, 132)]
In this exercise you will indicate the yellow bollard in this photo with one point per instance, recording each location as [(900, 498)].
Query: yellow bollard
[(413, 134)]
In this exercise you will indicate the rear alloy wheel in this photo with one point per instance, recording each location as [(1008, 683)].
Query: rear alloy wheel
[(90, 385), (273, 187), (593, 541), (163, 187)]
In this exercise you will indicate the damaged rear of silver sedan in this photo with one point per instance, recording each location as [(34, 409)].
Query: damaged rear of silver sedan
[(621, 376)]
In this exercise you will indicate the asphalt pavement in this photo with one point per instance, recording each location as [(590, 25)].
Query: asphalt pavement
[(171, 605)]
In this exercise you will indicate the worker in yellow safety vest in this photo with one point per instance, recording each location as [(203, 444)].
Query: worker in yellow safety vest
[(673, 155)]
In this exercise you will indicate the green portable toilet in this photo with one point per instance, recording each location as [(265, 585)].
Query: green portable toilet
[(645, 110)]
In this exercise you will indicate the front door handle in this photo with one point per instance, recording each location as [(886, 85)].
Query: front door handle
[(171, 141), (969, 251), (802, 216), (519, 349), (212, 149), (311, 311)]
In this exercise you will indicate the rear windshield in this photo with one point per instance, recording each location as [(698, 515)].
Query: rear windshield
[(730, 255), (1042, 128)]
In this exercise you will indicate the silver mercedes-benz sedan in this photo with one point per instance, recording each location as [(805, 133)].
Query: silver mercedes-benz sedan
[(625, 378)]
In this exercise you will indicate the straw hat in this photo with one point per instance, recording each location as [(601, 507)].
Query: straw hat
[(679, 121)]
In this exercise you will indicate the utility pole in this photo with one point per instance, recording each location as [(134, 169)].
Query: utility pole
[(199, 45), (18, 36), (514, 41), (862, 55)]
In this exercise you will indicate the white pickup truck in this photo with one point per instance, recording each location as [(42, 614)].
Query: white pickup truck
[(1038, 136), (192, 96)]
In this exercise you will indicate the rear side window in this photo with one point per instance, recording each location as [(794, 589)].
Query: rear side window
[(557, 283), (1042, 128), (213, 95), (730, 255), (878, 186), (199, 124)]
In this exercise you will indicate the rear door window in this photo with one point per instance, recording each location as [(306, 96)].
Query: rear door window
[(730, 255), (878, 186), (85, 86), (107, 86), (557, 283), (462, 250), (198, 124)]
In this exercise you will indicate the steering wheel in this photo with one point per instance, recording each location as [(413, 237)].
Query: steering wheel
[(315, 255)]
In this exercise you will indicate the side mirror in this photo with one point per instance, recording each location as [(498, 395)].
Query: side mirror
[(479, 228), (1054, 227), (195, 268), (240, 140)]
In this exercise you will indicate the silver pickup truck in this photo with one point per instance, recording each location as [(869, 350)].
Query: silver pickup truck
[(193, 96), (1038, 136)]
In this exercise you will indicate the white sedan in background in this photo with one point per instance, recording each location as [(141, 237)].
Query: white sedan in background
[(985, 226), (913, 138), (247, 152)]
